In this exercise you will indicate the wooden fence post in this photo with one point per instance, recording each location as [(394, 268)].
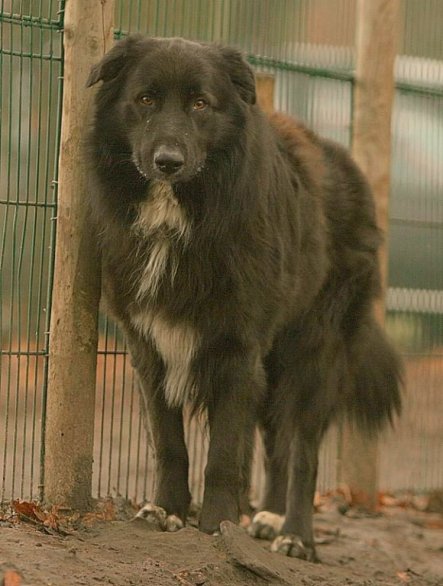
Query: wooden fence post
[(88, 34), (265, 83), (377, 34)]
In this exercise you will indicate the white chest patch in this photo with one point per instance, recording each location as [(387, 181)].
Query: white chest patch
[(160, 219), (177, 344), (155, 267), (161, 210)]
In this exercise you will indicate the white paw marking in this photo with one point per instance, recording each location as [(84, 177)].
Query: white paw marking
[(266, 525), (292, 546), (152, 514), (158, 516), (173, 523)]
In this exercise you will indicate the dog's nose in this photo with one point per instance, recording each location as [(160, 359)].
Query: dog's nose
[(168, 160)]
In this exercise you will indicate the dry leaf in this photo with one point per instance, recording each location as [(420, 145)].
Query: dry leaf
[(245, 521), (30, 511), (105, 513), (25, 509), (51, 521), (433, 524), (11, 578), (404, 577)]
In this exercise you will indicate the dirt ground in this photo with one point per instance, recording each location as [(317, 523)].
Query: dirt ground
[(396, 547)]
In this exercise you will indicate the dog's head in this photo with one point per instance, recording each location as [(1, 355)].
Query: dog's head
[(173, 102)]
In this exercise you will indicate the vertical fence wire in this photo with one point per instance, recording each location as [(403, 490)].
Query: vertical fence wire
[(30, 61)]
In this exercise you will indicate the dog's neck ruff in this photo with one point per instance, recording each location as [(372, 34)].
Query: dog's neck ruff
[(160, 221)]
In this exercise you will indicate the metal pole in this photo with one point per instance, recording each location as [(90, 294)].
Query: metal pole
[(376, 45), (87, 35)]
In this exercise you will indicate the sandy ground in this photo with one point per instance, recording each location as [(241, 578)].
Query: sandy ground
[(396, 547)]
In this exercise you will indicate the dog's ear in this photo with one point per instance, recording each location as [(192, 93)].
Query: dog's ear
[(241, 74), (114, 60)]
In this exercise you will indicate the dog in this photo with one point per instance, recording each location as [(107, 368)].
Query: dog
[(239, 256)]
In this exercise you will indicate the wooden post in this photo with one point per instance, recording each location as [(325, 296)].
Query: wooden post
[(88, 34), (265, 84), (377, 34)]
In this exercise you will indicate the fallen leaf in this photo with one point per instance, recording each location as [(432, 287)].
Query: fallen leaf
[(11, 578), (105, 512), (404, 577), (25, 509), (29, 511), (433, 524), (245, 521), (51, 520)]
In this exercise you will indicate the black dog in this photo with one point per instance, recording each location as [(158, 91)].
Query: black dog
[(240, 257)]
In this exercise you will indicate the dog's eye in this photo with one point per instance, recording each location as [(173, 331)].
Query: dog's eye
[(200, 104), (147, 101)]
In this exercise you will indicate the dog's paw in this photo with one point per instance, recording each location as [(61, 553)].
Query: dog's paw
[(173, 523), (158, 516), (266, 525), (292, 546)]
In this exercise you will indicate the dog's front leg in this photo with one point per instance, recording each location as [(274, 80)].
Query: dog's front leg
[(171, 496), (232, 413)]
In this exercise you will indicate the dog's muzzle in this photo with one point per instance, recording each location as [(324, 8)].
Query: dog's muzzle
[(168, 161)]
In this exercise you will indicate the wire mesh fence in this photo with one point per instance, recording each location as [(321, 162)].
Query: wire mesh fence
[(308, 46), (30, 71)]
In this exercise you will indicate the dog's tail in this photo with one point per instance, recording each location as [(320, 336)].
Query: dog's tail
[(377, 380)]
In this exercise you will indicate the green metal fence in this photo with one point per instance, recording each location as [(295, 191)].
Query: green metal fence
[(308, 45), (30, 73)]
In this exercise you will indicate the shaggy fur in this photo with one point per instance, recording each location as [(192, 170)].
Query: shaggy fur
[(240, 257)]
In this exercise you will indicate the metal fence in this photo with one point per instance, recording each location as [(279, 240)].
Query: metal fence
[(30, 73), (308, 45)]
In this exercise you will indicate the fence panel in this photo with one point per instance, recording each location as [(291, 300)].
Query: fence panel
[(308, 46), (30, 71), (413, 457)]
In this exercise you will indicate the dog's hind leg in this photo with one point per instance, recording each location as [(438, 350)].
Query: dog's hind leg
[(306, 393), (296, 534), (276, 467), (267, 523), (286, 515)]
